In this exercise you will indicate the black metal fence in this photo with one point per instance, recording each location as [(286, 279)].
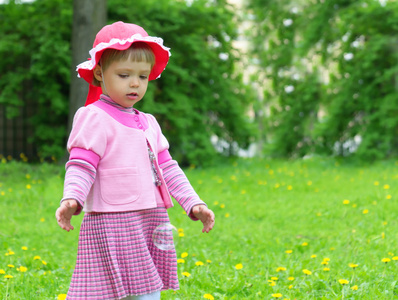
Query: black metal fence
[(16, 134)]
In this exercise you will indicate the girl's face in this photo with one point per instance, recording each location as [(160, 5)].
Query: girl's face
[(125, 82)]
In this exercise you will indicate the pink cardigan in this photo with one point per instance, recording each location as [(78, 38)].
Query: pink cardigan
[(115, 144)]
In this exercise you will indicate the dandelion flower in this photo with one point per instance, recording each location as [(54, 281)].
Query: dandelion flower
[(304, 244), (279, 269), (186, 274), (184, 254), (326, 259), (388, 197), (289, 251), (181, 234), (386, 186), (199, 263), (277, 295), (22, 269), (307, 272), (313, 256), (351, 265), (395, 258), (24, 248), (326, 269), (346, 202), (208, 296), (36, 257), (28, 186), (343, 281), (354, 288), (239, 266), (290, 286), (376, 183), (274, 278), (44, 262), (61, 297), (290, 278), (11, 266), (2, 271), (272, 283), (227, 215), (386, 260), (8, 276), (180, 261), (365, 211)]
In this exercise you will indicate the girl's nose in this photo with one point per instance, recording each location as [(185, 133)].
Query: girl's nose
[(134, 82)]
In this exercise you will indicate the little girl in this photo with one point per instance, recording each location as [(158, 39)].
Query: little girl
[(121, 174)]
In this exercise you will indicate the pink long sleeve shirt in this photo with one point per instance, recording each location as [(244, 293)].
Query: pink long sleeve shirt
[(115, 144)]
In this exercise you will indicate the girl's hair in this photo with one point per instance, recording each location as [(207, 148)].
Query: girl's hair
[(138, 52)]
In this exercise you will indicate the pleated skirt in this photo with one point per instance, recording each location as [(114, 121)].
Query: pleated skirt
[(117, 258)]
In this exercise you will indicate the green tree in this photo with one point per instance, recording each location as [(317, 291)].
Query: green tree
[(344, 54), (200, 95)]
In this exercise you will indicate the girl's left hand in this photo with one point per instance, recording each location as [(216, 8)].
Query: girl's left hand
[(205, 215)]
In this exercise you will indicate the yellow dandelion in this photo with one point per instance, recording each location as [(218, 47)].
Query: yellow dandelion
[(289, 251), (386, 186), (227, 215), (180, 261), (28, 186), (309, 182), (24, 248), (22, 269), (208, 261), (199, 263), (290, 278), (11, 266), (326, 259), (274, 278), (2, 271), (388, 197), (2, 193), (279, 269), (186, 274), (208, 296), (42, 220), (61, 297), (304, 244), (395, 258), (44, 262), (277, 295), (184, 254), (181, 234), (365, 211), (386, 260), (354, 288), (326, 269), (289, 187), (8, 276), (216, 203), (324, 263), (272, 283), (346, 202), (239, 266), (343, 281), (290, 286), (11, 252), (351, 265), (36, 257), (222, 205), (307, 272), (376, 183), (313, 256), (180, 230)]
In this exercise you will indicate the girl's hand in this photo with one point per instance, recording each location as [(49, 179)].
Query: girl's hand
[(65, 212), (205, 215)]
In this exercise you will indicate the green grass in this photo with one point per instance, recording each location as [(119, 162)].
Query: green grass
[(263, 209)]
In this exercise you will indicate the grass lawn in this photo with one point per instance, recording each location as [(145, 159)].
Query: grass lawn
[(304, 229)]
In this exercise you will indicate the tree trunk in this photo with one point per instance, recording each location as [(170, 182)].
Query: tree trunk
[(89, 16)]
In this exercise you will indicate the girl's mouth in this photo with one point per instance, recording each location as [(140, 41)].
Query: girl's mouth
[(132, 96)]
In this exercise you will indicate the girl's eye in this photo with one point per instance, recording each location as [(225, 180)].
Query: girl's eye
[(143, 77), (123, 75)]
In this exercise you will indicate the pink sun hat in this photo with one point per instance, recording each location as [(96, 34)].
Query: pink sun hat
[(121, 36)]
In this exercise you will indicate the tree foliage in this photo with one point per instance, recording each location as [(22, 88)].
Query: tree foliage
[(332, 68), (199, 95)]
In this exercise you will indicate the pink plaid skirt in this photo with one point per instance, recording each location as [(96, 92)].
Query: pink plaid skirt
[(116, 256)]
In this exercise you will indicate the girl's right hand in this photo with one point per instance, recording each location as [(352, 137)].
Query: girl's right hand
[(65, 212)]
